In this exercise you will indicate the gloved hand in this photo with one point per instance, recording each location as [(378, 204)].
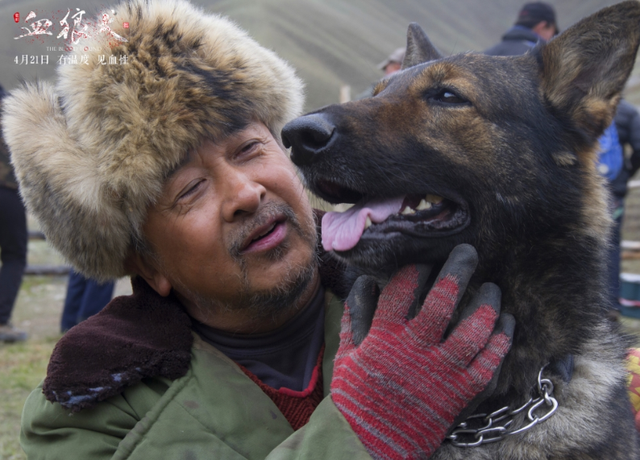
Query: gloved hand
[(402, 387)]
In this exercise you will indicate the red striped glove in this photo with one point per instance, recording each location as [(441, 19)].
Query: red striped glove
[(403, 386)]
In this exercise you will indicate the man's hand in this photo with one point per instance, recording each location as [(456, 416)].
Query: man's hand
[(402, 387)]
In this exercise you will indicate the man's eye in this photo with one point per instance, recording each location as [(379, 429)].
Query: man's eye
[(190, 189), (249, 148)]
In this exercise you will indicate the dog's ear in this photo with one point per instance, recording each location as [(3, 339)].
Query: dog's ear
[(584, 70), (419, 47)]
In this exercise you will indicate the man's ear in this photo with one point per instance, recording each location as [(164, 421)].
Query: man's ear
[(419, 48), (141, 266), (584, 70)]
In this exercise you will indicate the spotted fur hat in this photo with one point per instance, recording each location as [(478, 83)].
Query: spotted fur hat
[(92, 151)]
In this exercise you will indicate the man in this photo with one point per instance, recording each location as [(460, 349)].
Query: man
[(13, 244), (393, 63), (610, 166), (536, 21), (85, 297), (171, 170), (389, 66), (627, 124)]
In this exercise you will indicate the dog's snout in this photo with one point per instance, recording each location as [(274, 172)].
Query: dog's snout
[(308, 136)]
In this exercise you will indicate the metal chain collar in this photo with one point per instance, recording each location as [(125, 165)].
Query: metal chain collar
[(481, 429)]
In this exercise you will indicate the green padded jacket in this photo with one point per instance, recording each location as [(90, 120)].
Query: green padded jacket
[(214, 411)]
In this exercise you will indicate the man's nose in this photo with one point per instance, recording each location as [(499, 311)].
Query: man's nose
[(243, 195)]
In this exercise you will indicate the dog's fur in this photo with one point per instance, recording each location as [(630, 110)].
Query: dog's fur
[(514, 146)]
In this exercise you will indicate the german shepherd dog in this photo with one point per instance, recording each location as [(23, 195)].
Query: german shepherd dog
[(499, 153)]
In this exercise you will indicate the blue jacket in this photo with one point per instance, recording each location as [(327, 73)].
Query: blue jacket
[(610, 158)]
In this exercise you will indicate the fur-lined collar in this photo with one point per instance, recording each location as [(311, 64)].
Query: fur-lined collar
[(138, 336)]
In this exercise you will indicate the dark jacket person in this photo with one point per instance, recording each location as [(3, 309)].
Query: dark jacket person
[(13, 243), (536, 21)]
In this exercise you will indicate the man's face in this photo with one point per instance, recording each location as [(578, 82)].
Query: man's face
[(233, 227), (392, 68), (545, 30)]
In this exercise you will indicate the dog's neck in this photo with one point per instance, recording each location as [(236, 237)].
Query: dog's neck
[(557, 294)]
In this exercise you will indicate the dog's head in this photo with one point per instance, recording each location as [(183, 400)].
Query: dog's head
[(492, 151)]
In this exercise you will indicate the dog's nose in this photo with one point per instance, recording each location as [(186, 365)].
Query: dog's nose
[(308, 136)]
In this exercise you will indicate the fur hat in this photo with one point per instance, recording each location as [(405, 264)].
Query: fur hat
[(92, 151)]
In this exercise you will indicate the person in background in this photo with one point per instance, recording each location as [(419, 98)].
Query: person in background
[(627, 123), (85, 297), (610, 165), (627, 120), (389, 66), (393, 63), (536, 21), (13, 244)]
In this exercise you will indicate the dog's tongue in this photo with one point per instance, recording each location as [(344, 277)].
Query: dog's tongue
[(342, 230)]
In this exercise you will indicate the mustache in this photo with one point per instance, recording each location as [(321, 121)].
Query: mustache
[(267, 212)]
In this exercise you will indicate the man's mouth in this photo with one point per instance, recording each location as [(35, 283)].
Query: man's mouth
[(422, 216), (266, 236), (264, 233)]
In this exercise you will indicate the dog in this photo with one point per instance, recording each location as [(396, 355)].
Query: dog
[(499, 153)]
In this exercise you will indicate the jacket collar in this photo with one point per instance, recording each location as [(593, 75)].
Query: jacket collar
[(522, 33), (134, 337)]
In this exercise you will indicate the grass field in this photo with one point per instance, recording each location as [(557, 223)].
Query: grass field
[(23, 366)]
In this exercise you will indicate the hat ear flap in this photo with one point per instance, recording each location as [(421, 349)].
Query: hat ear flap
[(61, 183), (419, 47)]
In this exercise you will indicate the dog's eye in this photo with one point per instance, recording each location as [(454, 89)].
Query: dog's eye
[(448, 97)]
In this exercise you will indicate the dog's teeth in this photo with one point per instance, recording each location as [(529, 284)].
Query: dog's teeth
[(407, 211), (424, 204), (367, 223), (435, 199), (342, 207)]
